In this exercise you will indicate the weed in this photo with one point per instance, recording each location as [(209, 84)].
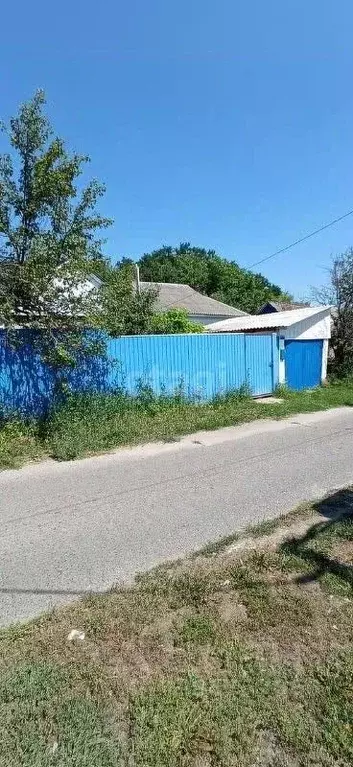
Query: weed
[(214, 547), (190, 590), (198, 629), (92, 423), (19, 441), (163, 678), (46, 721), (266, 527)]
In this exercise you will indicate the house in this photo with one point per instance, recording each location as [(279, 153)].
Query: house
[(200, 308), (303, 339), (171, 295), (282, 306)]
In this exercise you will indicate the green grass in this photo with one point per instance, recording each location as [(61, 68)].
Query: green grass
[(89, 424), (47, 720), (19, 442), (212, 662)]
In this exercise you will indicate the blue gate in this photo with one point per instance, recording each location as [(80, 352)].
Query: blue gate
[(261, 363), (303, 364)]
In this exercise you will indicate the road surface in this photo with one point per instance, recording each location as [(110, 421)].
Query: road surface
[(68, 529)]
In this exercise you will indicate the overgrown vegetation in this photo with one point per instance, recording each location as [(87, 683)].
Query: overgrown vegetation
[(123, 310), (218, 661), (210, 274), (19, 442), (93, 423), (173, 321), (338, 293)]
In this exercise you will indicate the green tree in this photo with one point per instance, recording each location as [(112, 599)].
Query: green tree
[(173, 321), (185, 264), (338, 293), (49, 238), (122, 310), (212, 275)]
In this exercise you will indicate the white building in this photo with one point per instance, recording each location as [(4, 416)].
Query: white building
[(303, 340)]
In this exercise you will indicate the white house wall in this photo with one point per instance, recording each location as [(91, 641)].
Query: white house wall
[(316, 327), (313, 328), (281, 362), (324, 359), (207, 319)]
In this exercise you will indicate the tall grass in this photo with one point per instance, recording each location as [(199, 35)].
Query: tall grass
[(91, 423)]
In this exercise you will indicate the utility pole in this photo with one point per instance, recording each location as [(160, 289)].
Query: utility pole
[(137, 279)]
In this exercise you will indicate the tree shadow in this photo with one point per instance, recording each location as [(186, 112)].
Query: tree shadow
[(314, 548), (27, 385)]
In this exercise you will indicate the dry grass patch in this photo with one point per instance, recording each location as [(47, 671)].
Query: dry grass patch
[(234, 659)]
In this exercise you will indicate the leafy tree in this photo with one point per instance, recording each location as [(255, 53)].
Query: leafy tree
[(339, 294), (49, 238), (123, 311), (173, 321), (212, 275)]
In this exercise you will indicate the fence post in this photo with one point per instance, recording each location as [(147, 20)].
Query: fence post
[(246, 377), (275, 360)]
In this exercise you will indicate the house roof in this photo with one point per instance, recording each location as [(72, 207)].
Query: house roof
[(284, 306), (266, 321), (173, 295)]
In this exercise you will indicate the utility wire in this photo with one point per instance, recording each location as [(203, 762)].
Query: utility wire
[(302, 239)]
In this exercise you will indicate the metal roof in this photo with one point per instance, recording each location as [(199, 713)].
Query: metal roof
[(266, 321), (174, 295)]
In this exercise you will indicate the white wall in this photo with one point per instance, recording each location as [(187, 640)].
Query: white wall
[(318, 326), (282, 362), (324, 359), (207, 319)]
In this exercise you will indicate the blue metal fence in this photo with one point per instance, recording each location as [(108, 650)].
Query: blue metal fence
[(206, 364), (203, 364)]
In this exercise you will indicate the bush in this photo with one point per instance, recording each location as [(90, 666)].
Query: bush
[(173, 321)]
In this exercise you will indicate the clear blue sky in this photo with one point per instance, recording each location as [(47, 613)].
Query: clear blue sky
[(223, 123)]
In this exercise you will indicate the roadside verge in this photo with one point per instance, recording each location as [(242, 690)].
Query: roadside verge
[(88, 425), (240, 655)]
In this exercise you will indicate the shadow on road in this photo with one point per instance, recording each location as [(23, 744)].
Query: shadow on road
[(324, 542), (52, 592)]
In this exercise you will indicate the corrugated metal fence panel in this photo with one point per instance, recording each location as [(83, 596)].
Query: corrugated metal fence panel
[(260, 361), (26, 385), (203, 365)]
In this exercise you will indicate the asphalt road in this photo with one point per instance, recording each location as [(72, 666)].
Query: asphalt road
[(72, 528)]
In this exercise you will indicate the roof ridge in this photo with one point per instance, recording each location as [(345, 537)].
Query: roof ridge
[(179, 284)]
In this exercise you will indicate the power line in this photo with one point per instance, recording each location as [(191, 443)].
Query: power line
[(302, 239)]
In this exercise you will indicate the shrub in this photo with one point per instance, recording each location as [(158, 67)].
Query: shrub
[(173, 321)]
